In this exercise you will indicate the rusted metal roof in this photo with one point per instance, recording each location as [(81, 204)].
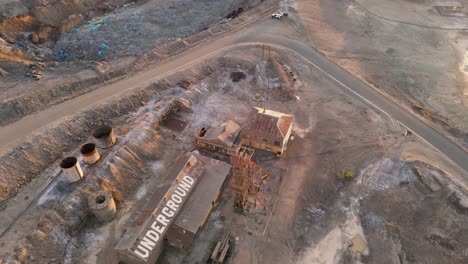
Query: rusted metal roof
[(275, 125), (224, 135), (130, 248), (192, 214), (284, 123), (230, 132)]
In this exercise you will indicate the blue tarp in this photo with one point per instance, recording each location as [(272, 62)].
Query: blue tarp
[(102, 50), (62, 56), (96, 24)]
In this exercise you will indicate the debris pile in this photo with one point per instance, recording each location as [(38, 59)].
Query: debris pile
[(138, 29)]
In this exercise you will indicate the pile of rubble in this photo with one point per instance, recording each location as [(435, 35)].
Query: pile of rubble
[(136, 30)]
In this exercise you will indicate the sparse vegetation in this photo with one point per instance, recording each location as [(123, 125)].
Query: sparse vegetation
[(346, 175)]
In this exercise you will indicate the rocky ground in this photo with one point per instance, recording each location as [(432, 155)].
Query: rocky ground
[(90, 30), (29, 30), (401, 206), (136, 30)]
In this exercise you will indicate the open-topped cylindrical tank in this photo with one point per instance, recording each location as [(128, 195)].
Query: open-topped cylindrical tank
[(104, 136), (90, 153), (102, 205), (72, 169)]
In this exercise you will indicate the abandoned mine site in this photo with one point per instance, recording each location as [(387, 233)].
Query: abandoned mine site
[(234, 131)]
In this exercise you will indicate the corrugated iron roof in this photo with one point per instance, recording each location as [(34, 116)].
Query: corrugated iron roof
[(274, 125), (284, 123), (229, 134), (225, 134), (200, 201)]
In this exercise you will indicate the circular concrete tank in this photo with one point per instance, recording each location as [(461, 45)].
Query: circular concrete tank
[(103, 206), (72, 169), (104, 136), (90, 153)]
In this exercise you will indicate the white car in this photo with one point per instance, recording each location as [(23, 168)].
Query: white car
[(279, 15)]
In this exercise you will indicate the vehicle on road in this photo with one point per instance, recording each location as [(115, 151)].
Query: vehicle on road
[(279, 15)]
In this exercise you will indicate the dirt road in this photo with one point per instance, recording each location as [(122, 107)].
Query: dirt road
[(268, 32), (11, 134)]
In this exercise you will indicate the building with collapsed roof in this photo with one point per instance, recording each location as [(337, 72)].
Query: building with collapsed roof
[(268, 130), (177, 215), (223, 139), (219, 139)]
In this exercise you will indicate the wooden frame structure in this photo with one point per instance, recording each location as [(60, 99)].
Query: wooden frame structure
[(246, 181)]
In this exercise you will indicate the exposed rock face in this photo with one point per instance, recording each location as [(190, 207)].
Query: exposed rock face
[(42, 18), (70, 22), (460, 201), (12, 8), (43, 35)]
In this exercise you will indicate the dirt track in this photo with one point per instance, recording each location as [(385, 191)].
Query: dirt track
[(11, 134)]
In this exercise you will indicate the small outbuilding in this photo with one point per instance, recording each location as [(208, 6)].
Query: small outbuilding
[(268, 130)]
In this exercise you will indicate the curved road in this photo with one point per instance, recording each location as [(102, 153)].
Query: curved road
[(268, 32)]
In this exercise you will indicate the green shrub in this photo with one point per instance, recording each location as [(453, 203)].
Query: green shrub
[(346, 175)]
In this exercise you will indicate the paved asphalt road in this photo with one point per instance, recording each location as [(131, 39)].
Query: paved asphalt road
[(268, 32)]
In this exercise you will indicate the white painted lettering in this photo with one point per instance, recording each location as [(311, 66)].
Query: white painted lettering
[(167, 212), (157, 228), (185, 185), (151, 234), (176, 198), (160, 229), (180, 192), (172, 205), (141, 252), (189, 179), (162, 219), (147, 243)]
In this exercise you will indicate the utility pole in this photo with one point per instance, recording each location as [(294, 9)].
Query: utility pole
[(268, 88), (263, 52)]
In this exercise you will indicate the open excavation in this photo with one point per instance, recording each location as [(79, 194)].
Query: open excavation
[(252, 154)]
